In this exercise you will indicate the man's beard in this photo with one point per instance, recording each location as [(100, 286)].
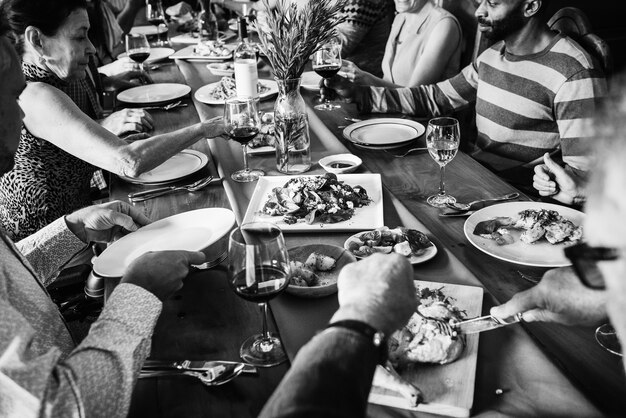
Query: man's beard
[(7, 159), (504, 27)]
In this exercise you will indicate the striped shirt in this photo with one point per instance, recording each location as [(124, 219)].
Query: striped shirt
[(525, 106)]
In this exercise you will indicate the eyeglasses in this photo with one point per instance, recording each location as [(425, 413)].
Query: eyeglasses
[(584, 258)]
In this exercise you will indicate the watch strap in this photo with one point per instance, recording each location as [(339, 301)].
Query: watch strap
[(377, 338)]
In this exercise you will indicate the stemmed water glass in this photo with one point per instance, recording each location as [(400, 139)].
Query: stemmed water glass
[(326, 63), (156, 16), (137, 48), (258, 270), (442, 140), (242, 124)]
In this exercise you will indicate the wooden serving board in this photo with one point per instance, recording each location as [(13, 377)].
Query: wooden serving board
[(448, 389)]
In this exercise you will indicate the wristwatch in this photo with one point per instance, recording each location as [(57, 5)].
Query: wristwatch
[(378, 338)]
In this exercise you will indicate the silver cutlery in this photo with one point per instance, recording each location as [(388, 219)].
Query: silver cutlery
[(459, 213), (529, 278), (353, 119), (212, 377), (166, 107), (196, 365), (483, 323), (149, 194), (210, 264), (406, 153), (467, 206)]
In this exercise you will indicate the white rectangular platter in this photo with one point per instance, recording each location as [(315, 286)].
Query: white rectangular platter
[(448, 389), (367, 217)]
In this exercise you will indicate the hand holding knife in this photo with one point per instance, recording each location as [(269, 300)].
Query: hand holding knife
[(484, 323)]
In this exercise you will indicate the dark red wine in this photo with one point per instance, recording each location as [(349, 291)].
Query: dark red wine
[(139, 56), (243, 135), (270, 281), (327, 71), (156, 22)]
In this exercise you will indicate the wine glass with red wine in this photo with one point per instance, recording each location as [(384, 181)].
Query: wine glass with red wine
[(326, 63), (156, 16), (242, 124), (258, 270), (137, 48)]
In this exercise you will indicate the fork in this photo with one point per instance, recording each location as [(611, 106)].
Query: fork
[(406, 153), (149, 194), (528, 278), (168, 106)]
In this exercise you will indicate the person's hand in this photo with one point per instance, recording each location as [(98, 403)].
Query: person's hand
[(377, 290), (559, 297), (128, 120), (551, 179), (352, 73), (213, 127), (126, 80), (341, 86), (161, 273), (106, 222)]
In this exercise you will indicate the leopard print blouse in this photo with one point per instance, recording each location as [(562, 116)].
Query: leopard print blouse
[(46, 182)]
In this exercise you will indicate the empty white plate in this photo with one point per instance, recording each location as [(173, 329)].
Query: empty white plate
[(156, 54), (184, 163), (189, 231), (383, 132), (154, 93)]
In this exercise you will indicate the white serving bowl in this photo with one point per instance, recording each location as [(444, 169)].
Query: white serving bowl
[(340, 163)]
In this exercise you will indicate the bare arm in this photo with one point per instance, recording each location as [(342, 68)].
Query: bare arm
[(51, 115)]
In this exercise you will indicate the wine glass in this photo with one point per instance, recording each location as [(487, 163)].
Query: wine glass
[(156, 17), (242, 124), (607, 338), (442, 140), (137, 49), (326, 63), (258, 270)]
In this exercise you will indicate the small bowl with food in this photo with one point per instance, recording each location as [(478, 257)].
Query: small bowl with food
[(340, 163), (221, 68), (315, 269), (411, 243)]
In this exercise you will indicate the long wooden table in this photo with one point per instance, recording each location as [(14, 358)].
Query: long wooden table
[(207, 321)]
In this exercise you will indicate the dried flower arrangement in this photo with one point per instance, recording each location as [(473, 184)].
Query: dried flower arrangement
[(292, 33)]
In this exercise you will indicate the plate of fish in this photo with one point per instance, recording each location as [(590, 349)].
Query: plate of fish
[(528, 233), (217, 93)]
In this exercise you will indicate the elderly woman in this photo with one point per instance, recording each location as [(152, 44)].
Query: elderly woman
[(61, 145), (424, 47)]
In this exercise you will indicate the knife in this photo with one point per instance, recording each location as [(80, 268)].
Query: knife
[(454, 213), (484, 323), (194, 365)]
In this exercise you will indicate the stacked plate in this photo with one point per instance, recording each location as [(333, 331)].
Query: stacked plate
[(184, 163), (383, 133)]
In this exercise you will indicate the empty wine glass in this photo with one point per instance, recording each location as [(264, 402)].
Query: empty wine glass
[(258, 270), (156, 16), (137, 49), (442, 140), (326, 63), (242, 124), (607, 338)]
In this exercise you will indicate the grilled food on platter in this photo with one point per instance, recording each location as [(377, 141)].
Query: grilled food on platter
[(318, 198), (536, 224), (266, 133), (400, 240), (423, 339), (304, 274), (226, 88)]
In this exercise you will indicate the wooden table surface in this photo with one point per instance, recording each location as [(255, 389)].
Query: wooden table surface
[(207, 321)]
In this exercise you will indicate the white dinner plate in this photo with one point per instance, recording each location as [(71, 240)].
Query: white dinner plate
[(383, 132), (310, 80), (539, 254), (156, 54), (190, 231), (203, 93), (149, 29), (366, 217), (189, 53), (184, 163), (154, 93), (413, 259)]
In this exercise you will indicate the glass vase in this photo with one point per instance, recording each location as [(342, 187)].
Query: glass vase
[(291, 128)]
